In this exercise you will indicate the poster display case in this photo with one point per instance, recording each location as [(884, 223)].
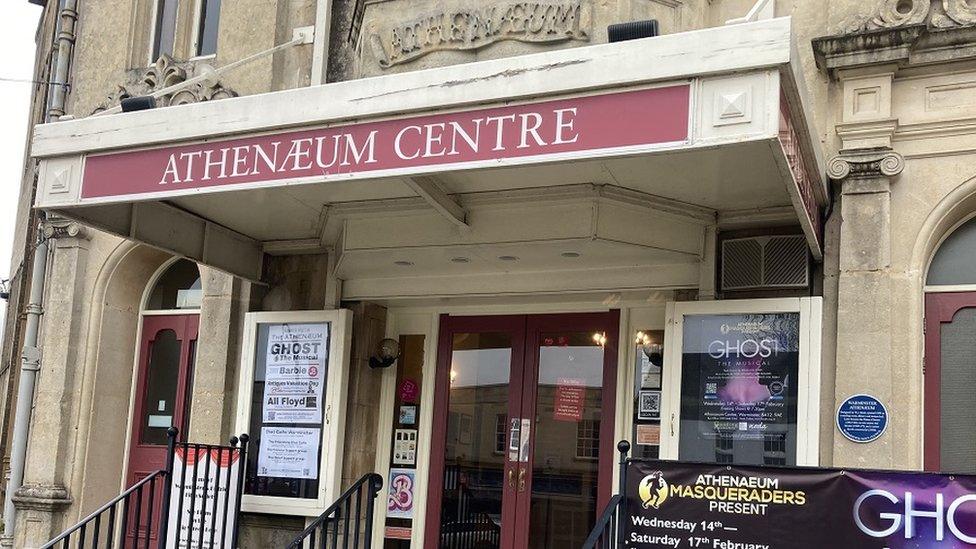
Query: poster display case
[(745, 382), (291, 400)]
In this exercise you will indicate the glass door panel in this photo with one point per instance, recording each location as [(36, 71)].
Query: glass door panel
[(564, 494), (522, 447), (474, 454), (477, 398)]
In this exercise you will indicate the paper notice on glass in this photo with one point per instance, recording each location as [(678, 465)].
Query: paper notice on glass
[(289, 452), (295, 373)]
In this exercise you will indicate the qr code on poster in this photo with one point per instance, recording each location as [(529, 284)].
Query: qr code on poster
[(649, 405), (311, 402), (711, 387)]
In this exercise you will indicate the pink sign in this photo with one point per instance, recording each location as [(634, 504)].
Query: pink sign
[(570, 400), (409, 390), (526, 131)]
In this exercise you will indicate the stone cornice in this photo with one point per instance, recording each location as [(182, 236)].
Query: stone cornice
[(866, 48), (923, 31), (865, 163)]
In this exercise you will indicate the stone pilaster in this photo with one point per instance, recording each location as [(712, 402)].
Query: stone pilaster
[(218, 355), (864, 361), (44, 496)]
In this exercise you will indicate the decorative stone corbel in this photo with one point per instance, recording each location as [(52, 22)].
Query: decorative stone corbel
[(868, 163), (166, 72)]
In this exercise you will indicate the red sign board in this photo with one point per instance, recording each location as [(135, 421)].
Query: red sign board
[(549, 130), (570, 400)]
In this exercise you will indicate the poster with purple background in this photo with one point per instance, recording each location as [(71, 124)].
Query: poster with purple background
[(681, 505), (738, 388)]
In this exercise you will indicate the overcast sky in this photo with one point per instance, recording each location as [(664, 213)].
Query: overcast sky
[(18, 24)]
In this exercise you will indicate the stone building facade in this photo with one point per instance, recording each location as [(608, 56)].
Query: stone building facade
[(876, 99)]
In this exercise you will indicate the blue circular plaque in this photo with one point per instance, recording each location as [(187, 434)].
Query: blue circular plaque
[(862, 418)]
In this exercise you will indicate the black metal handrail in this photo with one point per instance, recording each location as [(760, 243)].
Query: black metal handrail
[(347, 523), (125, 533), (604, 533), (130, 521), (607, 533)]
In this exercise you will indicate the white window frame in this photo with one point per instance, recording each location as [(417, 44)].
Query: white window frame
[(334, 412), (197, 12), (152, 28), (808, 391)]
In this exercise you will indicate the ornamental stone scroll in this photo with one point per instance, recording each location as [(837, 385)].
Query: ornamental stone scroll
[(865, 164), (934, 13)]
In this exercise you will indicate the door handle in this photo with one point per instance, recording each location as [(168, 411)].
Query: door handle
[(521, 479), (511, 478), (672, 423)]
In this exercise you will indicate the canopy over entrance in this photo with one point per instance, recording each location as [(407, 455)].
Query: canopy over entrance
[(614, 157)]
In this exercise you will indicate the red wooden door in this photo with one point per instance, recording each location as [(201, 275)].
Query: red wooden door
[(522, 450), (950, 329), (166, 356)]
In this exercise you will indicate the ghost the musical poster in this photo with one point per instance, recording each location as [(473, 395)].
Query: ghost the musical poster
[(739, 387)]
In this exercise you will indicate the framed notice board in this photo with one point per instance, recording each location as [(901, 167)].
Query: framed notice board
[(291, 401)]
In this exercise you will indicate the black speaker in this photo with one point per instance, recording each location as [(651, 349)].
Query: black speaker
[(140, 103), (633, 30)]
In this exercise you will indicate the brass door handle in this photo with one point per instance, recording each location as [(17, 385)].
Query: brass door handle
[(521, 480), (511, 478)]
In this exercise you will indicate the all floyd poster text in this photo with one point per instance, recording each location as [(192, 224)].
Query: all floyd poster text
[(295, 367)]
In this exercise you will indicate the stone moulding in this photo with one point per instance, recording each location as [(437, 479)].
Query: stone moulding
[(867, 47), (42, 497), (166, 72)]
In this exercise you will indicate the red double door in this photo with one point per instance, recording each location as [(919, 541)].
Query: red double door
[(950, 351), (522, 452), (167, 352)]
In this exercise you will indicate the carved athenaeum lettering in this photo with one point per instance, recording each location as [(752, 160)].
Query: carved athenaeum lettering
[(469, 29)]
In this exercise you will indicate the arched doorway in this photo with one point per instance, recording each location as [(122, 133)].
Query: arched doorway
[(170, 319), (950, 353)]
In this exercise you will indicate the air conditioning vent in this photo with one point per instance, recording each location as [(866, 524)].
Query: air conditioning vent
[(765, 262)]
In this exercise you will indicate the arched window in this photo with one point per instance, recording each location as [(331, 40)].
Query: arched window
[(178, 288), (950, 354), (954, 263)]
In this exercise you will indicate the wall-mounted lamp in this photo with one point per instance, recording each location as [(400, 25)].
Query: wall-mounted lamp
[(653, 351), (387, 352)]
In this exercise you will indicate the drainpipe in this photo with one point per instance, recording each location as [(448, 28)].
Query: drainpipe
[(30, 364), (31, 356)]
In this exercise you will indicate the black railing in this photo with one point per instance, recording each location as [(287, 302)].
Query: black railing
[(104, 527), (347, 523), (608, 531), (142, 516)]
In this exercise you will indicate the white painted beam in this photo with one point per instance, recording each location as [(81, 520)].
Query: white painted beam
[(430, 190), (177, 231)]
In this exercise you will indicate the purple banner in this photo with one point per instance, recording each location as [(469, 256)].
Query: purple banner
[(680, 505)]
